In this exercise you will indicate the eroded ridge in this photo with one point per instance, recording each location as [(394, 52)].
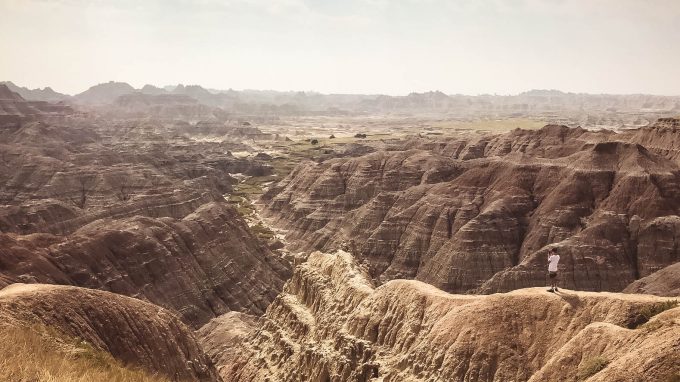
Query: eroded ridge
[(331, 324), (479, 214)]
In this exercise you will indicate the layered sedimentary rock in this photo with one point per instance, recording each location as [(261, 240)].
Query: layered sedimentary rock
[(135, 332), (665, 282), (479, 214), (222, 338), (14, 109), (332, 324), (57, 178), (201, 266), (128, 207)]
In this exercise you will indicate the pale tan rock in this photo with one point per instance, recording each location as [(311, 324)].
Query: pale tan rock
[(331, 324)]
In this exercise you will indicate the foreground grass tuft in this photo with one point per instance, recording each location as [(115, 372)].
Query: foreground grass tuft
[(38, 354), (590, 367)]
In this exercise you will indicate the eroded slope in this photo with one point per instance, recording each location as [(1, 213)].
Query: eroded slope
[(479, 214), (331, 324), (135, 332), (201, 266)]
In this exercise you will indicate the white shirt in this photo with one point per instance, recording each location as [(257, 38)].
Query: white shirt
[(552, 263)]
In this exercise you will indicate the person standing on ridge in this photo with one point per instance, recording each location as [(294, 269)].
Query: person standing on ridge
[(553, 260)]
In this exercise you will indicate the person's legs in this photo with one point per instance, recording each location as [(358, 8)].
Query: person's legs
[(553, 281)]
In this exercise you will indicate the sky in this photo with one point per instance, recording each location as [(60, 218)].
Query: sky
[(346, 46)]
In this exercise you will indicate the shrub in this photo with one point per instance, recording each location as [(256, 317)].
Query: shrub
[(314, 141), (647, 312), (359, 135), (650, 311), (590, 367)]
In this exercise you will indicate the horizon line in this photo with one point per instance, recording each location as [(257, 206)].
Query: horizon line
[(213, 89)]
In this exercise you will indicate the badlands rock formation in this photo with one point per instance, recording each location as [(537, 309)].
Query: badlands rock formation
[(58, 177), (592, 111), (14, 109), (665, 282), (104, 93), (478, 214), (130, 207), (332, 324), (137, 333), (166, 106), (201, 266), (223, 337), (46, 94)]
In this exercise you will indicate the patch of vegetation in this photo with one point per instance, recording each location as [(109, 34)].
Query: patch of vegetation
[(359, 135), (652, 310), (652, 326), (590, 367), (673, 378), (645, 313), (262, 232), (242, 205), (494, 125), (41, 354), (248, 187)]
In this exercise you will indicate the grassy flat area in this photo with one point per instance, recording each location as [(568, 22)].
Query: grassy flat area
[(491, 125)]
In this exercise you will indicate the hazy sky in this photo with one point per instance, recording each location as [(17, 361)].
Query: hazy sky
[(346, 46)]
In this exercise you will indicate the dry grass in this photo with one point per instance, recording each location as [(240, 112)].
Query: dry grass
[(590, 367), (38, 354)]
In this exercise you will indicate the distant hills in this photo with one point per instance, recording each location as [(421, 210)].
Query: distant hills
[(104, 93), (543, 103), (15, 109), (45, 94)]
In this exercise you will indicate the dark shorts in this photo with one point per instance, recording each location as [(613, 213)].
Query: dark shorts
[(552, 274)]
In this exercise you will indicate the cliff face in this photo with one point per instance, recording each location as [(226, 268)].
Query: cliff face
[(137, 333), (479, 214), (201, 266), (331, 324)]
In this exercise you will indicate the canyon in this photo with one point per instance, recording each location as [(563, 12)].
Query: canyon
[(478, 215), (199, 235)]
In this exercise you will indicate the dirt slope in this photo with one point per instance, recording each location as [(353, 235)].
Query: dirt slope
[(135, 332), (665, 282)]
